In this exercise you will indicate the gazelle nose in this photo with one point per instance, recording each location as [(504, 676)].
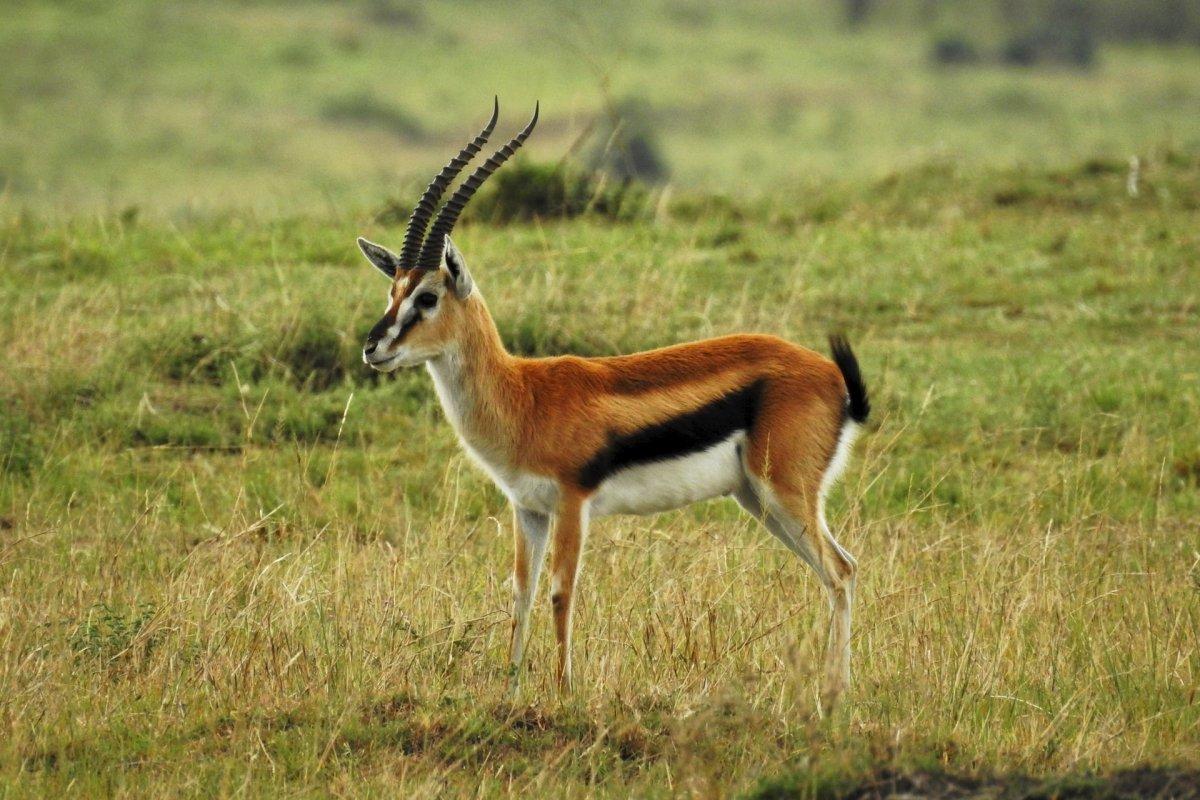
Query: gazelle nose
[(370, 348)]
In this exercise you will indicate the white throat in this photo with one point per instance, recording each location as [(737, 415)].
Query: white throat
[(462, 403), (453, 389)]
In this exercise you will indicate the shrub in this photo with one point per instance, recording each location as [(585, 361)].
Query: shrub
[(298, 53), (626, 144), (857, 11), (698, 16), (315, 356), (311, 354), (527, 190), (1047, 45), (953, 50), (407, 14), (1166, 21)]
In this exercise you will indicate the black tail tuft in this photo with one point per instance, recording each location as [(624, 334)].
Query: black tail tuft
[(858, 406)]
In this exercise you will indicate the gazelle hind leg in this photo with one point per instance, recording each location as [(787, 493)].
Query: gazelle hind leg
[(750, 501), (798, 521), (805, 517)]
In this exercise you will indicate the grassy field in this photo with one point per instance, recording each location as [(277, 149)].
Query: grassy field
[(235, 562), (298, 106)]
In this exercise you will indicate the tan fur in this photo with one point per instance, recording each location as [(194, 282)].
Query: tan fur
[(564, 568), (548, 416)]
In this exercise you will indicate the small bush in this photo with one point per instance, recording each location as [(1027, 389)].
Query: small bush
[(1075, 48), (314, 356), (1013, 195), (686, 14), (299, 54), (627, 144), (407, 14), (1097, 165), (725, 235), (857, 11), (527, 191), (954, 50), (311, 354), (829, 208)]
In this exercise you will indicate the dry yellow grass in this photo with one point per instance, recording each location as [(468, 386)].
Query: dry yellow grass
[(232, 563)]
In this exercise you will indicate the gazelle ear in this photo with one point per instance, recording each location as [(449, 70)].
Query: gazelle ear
[(384, 260), (456, 265)]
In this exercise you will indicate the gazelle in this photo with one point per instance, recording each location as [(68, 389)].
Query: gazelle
[(569, 438)]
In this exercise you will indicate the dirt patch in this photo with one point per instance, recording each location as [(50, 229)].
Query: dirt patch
[(1144, 782)]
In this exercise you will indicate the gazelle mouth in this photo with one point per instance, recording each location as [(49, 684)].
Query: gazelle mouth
[(385, 364)]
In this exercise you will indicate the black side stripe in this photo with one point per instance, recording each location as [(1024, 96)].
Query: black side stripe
[(687, 433)]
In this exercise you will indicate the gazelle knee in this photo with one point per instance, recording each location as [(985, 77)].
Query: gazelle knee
[(840, 576), (558, 601), (847, 568)]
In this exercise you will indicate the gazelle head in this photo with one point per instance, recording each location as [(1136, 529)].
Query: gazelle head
[(430, 281)]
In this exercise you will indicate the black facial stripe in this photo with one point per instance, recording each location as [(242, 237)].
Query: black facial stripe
[(380, 330), (687, 433), (409, 323)]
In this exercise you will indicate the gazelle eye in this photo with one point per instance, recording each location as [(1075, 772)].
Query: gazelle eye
[(427, 300)]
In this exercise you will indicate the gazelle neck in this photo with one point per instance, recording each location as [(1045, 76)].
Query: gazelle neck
[(476, 382)]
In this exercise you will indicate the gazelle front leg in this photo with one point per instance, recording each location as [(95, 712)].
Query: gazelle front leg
[(532, 532), (570, 527)]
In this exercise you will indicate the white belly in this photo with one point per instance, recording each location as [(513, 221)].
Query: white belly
[(642, 489), (664, 485), (523, 489)]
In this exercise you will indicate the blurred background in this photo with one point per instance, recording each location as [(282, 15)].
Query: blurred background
[(288, 106)]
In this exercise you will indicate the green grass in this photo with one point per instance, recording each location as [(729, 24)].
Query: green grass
[(235, 562), (292, 107)]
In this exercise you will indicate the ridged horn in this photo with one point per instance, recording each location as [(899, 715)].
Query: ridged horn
[(433, 193), (431, 251)]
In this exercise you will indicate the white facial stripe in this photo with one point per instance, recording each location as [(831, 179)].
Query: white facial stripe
[(407, 311), (430, 283)]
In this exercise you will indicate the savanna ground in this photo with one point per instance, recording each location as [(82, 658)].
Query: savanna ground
[(235, 562)]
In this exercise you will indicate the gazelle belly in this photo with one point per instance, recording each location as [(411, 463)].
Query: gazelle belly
[(671, 483), (523, 489)]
